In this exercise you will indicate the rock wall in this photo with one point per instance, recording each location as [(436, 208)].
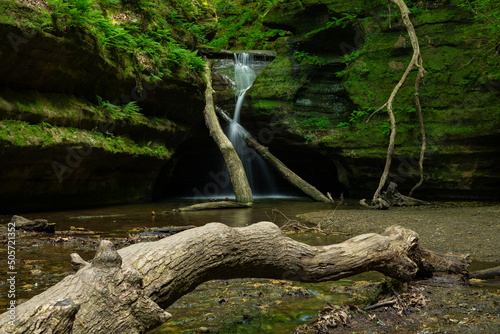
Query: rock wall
[(69, 136), (341, 64)]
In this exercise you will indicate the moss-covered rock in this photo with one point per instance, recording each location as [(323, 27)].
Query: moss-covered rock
[(459, 96), (96, 97)]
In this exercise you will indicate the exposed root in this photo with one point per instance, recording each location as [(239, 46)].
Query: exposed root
[(391, 197)]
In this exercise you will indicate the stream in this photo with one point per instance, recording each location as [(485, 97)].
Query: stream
[(235, 306)]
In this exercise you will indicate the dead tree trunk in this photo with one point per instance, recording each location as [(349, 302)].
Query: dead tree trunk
[(125, 291), (214, 206), (281, 168), (416, 61), (241, 187)]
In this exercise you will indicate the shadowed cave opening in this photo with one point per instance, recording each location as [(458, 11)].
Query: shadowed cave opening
[(199, 172)]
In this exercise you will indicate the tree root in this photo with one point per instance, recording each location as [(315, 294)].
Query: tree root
[(391, 197)]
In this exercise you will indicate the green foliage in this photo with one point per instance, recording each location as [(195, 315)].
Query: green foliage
[(240, 25), (343, 125), (129, 111), (487, 27), (385, 128), (358, 115), (316, 123), (343, 21), (348, 58), (148, 41), (306, 59), (22, 134)]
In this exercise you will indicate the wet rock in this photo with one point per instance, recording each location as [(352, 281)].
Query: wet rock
[(37, 225)]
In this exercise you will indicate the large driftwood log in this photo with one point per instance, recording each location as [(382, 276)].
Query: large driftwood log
[(213, 206), (237, 175), (125, 291), (280, 167)]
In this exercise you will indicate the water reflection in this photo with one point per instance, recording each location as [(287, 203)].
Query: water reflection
[(117, 221)]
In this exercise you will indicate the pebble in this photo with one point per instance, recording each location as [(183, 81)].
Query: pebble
[(36, 272)]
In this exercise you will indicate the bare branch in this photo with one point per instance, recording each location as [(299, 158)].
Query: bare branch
[(415, 61)]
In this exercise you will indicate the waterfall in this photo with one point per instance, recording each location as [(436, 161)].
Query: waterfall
[(258, 173), (244, 76)]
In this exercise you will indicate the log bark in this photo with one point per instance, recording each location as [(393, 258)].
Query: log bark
[(280, 167), (490, 273), (125, 291), (213, 206), (237, 175)]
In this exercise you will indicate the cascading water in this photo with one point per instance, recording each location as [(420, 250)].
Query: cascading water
[(244, 76), (257, 170)]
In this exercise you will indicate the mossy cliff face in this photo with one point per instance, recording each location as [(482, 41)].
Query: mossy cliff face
[(95, 97), (342, 63)]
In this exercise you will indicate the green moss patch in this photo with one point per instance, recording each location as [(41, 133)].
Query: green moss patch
[(23, 134)]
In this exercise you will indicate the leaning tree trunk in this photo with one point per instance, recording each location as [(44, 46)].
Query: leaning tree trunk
[(125, 291), (237, 175), (280, 167)]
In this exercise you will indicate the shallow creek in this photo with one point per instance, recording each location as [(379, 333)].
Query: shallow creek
[(235, 306)]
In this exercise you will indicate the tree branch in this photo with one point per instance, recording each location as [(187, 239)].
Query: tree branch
[(420, 75), (415, 61)]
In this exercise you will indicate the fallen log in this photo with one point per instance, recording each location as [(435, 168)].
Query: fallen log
[(490, 273), (280, 167), (125, 291), (237, 175), (213, 206)]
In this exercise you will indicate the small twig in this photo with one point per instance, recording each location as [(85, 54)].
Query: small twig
[(385, 302), (376, 111), (399, 301), (292, 224), (341, 201), (333, 212), (271, 219)]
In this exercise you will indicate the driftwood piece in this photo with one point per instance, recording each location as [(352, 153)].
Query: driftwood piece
[(392, 197), (125, 291), (237, 174), (490, 273), (214, 206), (37, 225), (280, 167)]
